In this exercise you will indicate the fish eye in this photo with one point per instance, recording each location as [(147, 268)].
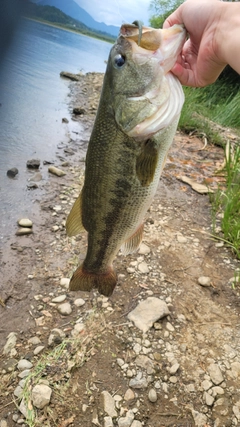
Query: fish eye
[(119, 60)]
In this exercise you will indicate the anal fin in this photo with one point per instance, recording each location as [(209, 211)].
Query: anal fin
[(132, 244), (74, 224)]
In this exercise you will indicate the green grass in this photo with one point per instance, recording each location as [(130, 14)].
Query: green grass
[(226, 202)]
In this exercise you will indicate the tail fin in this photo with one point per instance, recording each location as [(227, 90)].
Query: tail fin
[(83, 280)]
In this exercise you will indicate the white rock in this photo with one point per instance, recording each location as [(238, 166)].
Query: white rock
[(34, 341), (79, 302), (59, 298), (147, 312), (56, 171), (23, 231), (38, 349), (10, 344), (24, 364), (25, 222), (108, 404), (41, 395), (181, 239), (129, 395), (215, 374), (18, 391), (170, 327), (143, 267), (206, 384), (23, 408), (209, 400), (127, 420), (108, 422), (24, 374), (144, 249), (204, 281), (65, 309), (65, 282), (174, 368), (199, 418), (136, 423), (152, 395)]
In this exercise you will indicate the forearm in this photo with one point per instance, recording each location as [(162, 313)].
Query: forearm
[(228, 35)]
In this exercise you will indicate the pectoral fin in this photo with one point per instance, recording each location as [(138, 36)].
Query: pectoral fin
[(132, 244), (147, 163), (74, 224)]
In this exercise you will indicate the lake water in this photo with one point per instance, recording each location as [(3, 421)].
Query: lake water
[(33, 101)]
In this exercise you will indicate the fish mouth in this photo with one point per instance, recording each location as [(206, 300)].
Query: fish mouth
[(163, 44), (161, 48)]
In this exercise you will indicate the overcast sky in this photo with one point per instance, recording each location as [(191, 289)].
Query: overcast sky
[(115, 12)]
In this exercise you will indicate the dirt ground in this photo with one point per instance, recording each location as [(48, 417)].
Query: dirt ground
[(204, 320)]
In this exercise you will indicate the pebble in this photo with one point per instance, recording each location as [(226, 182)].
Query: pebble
[(144, 249), (38, 349), (215, 374), (107, 422), (208, 399), (10, 344), (152, 395), (127, 420), (143, 268), (25, 222), (24, 373), (64, 282), (65, 309), (23, 231), (60, 298), (174, 368), (147, 312), (138, 382), (11, 173), (136, 423), (206, 384), (200, 419), (56, 336), (108, 404), (181, 239), (24, 364), (204, 281), (170, 327), (79, 302), (56, 171), (33, 164), (34, 341), (129, 395), (41, 395)]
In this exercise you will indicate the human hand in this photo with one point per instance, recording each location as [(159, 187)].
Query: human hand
[(200, 61)]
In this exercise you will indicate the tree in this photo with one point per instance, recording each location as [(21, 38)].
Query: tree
[(161, 10)]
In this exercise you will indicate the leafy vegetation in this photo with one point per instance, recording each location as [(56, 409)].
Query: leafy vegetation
[(50, 14)]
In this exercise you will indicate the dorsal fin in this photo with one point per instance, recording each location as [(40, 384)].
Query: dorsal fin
[(74, 224), (147, 163), (133, 243)]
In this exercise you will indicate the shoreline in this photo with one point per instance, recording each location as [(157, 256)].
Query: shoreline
[(41, 21)]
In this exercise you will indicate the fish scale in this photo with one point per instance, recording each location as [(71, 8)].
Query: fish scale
[(135, 124)]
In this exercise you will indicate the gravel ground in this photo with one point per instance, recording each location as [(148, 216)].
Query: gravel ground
[(163, 350)]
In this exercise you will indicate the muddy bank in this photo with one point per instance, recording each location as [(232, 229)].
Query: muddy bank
[(184, 370)]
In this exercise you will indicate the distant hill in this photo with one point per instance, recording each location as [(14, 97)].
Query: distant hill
[(55, 16), (71, 8)]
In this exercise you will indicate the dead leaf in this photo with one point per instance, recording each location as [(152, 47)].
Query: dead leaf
[(67, 422), (199, 188)]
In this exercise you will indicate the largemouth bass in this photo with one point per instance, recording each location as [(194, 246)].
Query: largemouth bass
[(138, 113)]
